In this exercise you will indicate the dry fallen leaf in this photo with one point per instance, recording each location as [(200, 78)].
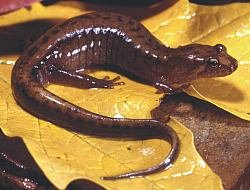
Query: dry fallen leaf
[(64, 156), (11, 5)]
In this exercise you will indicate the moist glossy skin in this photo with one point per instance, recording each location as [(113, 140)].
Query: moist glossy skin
[(108, 38)]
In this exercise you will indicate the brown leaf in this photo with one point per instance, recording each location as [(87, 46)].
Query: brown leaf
[(11, 5)]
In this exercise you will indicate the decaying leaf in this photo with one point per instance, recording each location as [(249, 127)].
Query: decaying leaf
[(11, 5), (221, 138)]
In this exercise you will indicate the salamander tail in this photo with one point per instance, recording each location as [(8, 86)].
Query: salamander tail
[(165, 164)]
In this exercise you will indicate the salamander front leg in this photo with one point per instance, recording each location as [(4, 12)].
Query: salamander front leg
[(81, 80)]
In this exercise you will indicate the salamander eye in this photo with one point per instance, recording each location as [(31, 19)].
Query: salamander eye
[(220, 48), (212, 62)]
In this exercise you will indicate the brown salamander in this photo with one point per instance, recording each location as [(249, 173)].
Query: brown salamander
[(114, 39)]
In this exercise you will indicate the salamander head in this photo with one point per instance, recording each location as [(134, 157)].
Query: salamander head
[(203, 61), (211, 61)]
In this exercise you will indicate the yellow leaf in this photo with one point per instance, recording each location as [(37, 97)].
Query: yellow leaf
[(65, 156), (230, 93)]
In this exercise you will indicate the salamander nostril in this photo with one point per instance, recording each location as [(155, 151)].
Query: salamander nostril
[(220, 48), (234, 65)]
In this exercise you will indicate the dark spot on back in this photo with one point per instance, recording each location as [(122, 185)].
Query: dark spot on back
[(86, 16), (63, 24), (20, 77), (150, 40), (56, 31), (91, 122), (46, 101), (30, 80), (45, 39), (157, 61), (105, 17), (119, 18), (74, 22), (135, 28), (140, 36), (97, 15), (69, 109), (23, 62), (57, 110), (156, 47), (131, 22), (32, 51), (78, 120)]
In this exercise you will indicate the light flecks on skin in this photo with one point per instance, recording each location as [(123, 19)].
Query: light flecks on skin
[(137, 46), (79, 32), (105, 30), (114, 30), (194, 57), (49, 46), (96, 30), (80, 70), (128, 39), (42, 63), (88, 30), (155, 56), (75, 51), (92, 44), (199, 58), (70, 35), (84, 47), (53, 100), (48, 56), (55, 53), (191, 56)]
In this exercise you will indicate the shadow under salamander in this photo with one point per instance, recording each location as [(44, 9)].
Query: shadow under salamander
[(234, 94), (15, 38), (140, 11), (217, 2)]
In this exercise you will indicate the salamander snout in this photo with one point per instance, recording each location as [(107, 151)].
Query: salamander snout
[(226, 61), (234, 64)]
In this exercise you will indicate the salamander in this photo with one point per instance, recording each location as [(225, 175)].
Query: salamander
[(105, 38)]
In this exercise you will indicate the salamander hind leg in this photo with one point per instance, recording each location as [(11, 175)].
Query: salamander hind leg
[(80, 80)]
